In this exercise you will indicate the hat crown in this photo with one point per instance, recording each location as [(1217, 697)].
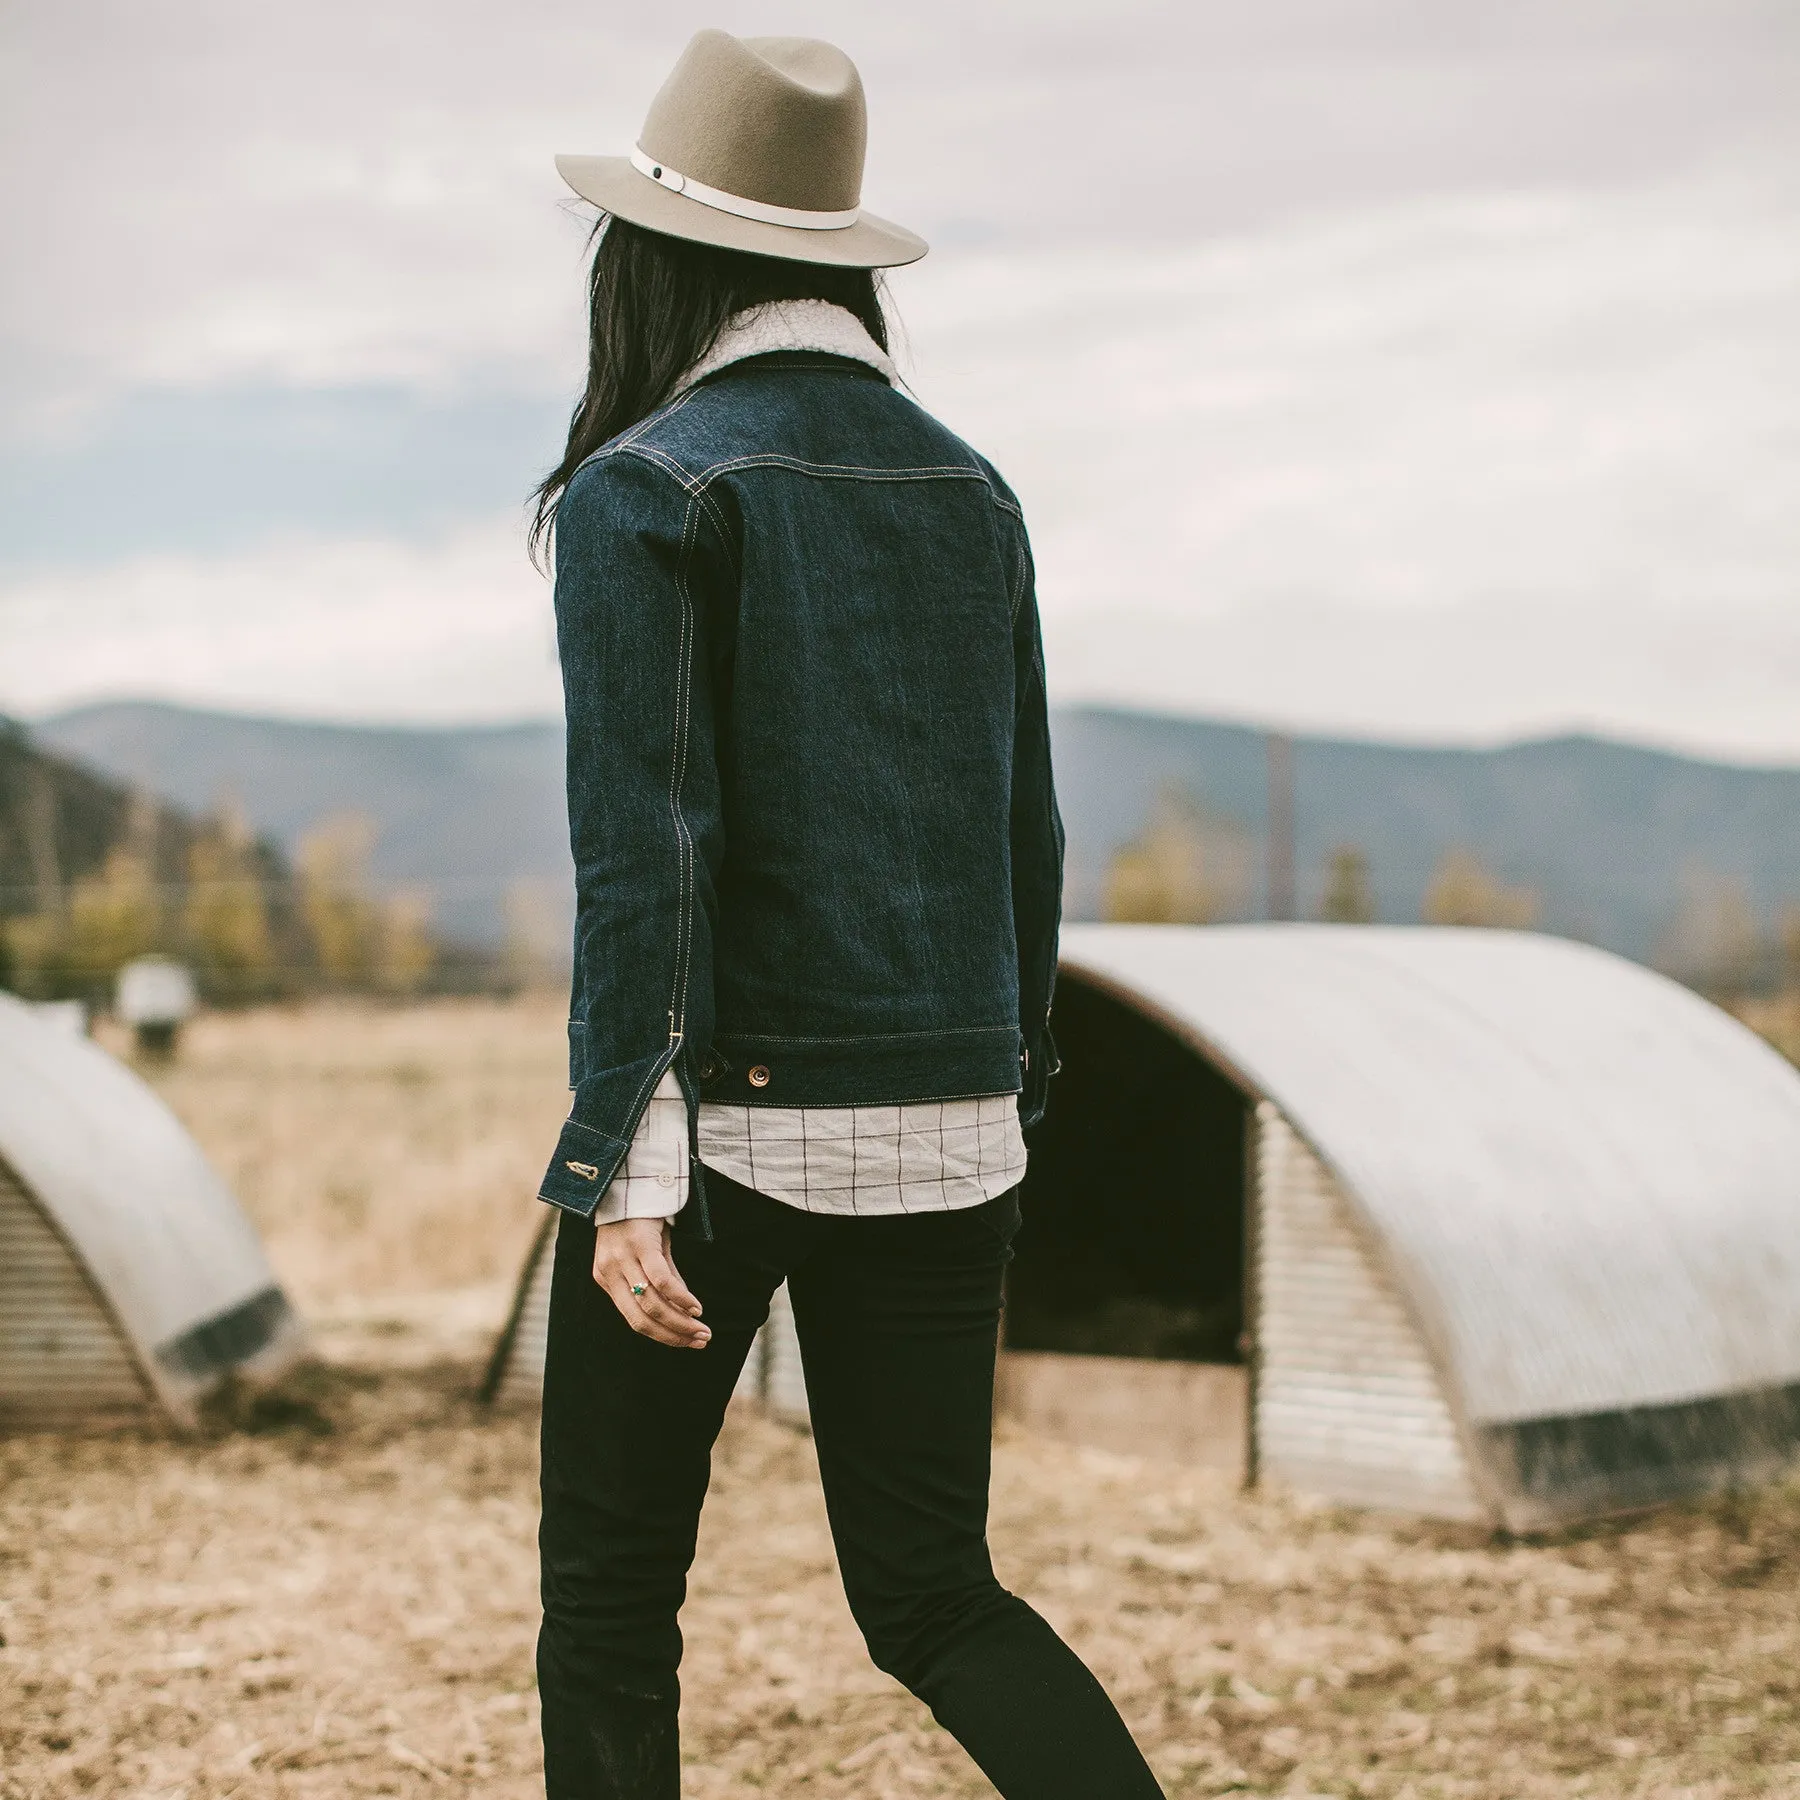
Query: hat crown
[(777, 120)]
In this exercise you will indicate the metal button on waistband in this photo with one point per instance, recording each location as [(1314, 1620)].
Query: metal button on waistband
[(710, 1067), (759, 1076)]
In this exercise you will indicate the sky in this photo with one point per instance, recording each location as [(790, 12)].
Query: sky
[(1414, 369)]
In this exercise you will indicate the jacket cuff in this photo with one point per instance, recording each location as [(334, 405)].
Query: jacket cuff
[(598, 1132), (581, 1168)]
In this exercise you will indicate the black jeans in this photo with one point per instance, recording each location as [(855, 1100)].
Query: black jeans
[(898, 1321)]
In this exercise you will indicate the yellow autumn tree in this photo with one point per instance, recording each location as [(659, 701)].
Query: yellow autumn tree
[(408, 951), (1712, 940), (1462, 891), (1790, 949), (1188, 866), (33, 954), (344, 924), (1348, 898), (113, 915), (537, 934), (225, 922)]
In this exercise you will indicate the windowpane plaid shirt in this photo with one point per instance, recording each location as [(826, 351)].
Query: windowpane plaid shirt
[(932, 1156)]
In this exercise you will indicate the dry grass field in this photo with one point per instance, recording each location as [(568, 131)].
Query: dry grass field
[(332, 1592), (380, 1150)]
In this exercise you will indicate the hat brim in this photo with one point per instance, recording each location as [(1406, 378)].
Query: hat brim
[(615, 186)]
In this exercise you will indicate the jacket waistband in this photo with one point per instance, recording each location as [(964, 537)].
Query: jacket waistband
[(752, 1069)]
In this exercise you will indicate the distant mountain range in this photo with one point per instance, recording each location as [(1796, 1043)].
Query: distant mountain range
[(1609, 835), (94, 871), (465, 813), (60, 816), (1606, 833)]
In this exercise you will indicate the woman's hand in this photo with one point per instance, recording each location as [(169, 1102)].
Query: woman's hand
[(634, 1253)]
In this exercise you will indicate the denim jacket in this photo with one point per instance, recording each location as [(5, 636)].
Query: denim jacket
[(818, 857)]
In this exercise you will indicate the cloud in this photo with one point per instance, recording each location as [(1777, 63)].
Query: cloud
[(1358, 366), (200, 192), (1479, 671), (1445, 469), (356, 630), (1450, 468), (219, 469)]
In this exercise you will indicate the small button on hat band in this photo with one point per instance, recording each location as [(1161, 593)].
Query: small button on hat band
[(720, 201)]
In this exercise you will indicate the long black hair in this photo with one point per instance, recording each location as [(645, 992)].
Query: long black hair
[(656, 305)]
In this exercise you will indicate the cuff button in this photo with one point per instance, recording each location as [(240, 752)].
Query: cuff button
[(665, 1179)]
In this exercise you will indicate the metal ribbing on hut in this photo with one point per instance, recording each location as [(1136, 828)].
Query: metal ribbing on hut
[(772, 1372), (515, 1373), (1347, 1400), (63, 1360)]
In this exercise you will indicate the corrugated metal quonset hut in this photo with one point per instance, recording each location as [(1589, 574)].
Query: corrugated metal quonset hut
[(1472, 1224), (130, 1281)]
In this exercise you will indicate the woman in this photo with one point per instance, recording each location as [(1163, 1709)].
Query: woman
[(818, 868)]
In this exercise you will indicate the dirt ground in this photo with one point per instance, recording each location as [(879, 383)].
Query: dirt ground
[(332, 1591)]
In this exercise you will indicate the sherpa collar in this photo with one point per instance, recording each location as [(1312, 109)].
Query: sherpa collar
[(792, 325)]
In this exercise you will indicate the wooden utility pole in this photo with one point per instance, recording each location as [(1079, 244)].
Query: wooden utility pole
[(1281, 825)]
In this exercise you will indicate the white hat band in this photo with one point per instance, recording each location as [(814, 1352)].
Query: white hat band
[(720, 201)]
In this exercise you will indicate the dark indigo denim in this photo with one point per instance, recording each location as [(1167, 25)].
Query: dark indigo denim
[(898, 1318), (810, 799)]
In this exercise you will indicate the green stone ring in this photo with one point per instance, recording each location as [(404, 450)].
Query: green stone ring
[(637, 1287)]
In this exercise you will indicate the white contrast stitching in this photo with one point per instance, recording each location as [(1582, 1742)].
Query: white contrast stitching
[(678, 776), (882, 1037)]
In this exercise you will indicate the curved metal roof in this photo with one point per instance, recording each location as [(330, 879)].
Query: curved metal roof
[(160, 1233), (1585, 1178)]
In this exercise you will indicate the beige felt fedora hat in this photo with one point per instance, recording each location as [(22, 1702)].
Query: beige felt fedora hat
[(752, 144)]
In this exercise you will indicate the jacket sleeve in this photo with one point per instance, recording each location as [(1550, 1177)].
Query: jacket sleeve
[(1037, 846), (637, 567)]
